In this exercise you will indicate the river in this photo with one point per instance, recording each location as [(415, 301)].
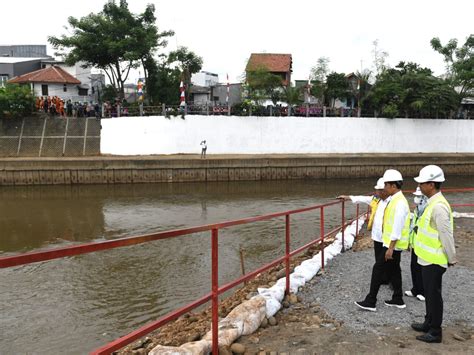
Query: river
[(77, 304)]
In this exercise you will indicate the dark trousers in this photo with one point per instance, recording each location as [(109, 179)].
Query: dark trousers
[(378, 250), (432, 280), (416, 276), (383, 269)]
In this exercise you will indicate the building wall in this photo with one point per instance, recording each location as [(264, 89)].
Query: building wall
[(294, 135), (57, 90), (24, 51), (204, 79), (16, 69), (235, 93)]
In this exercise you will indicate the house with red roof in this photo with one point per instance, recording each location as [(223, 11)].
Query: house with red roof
[(278, 64), (51, 81)]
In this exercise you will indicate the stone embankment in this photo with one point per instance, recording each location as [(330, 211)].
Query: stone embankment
[(190, 168)]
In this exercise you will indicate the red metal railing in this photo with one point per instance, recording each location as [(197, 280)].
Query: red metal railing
[(213, 296)]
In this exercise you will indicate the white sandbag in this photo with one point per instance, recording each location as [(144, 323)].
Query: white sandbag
[(307, 271), (463, 215), (251, 313), (201, 347), (272, 307), (296, 281), (276, 291)]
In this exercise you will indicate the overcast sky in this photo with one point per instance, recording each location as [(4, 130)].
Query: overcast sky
[(224, 33)]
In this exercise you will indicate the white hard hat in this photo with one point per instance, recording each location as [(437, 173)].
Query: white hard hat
[(418, 192), (430, 173), (392, 175), (379, 185)]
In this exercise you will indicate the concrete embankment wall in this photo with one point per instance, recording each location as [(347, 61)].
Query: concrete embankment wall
[(115, 170), (284, 135)]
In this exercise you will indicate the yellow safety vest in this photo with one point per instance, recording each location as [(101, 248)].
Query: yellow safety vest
[(373, 208), (427, 243), (388, 220)]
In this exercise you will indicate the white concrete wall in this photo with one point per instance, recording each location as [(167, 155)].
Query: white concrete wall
[(57, 90), (284, 135)]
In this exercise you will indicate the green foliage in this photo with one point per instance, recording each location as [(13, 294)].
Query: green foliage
[(16, 101), (261, 85), (459, 64), (109, 93), (337, 86), (413, 91), (390, 110), (114, 40)]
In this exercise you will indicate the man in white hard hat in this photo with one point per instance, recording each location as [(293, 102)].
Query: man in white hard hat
[(377, 202), (434, 247), (396, 228), (417, 290)]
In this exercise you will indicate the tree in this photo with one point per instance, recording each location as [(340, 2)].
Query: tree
[(337, 87), (187, 62), (379, 58), (16, 101), (163, 83), (114, 40), (261, 85), (319, 73), (292, 96), (459, 64), (413, 91)]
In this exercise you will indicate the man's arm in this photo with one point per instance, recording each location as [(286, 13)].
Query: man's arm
[(442, 222), (356, 199)]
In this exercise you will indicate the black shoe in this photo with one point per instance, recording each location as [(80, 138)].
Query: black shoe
[(366, 306), (429, 338), (398, 304), (420, 327)]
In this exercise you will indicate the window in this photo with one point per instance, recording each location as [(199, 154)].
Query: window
[(65, 88), (3, 80), (83, 92), (44, 90)]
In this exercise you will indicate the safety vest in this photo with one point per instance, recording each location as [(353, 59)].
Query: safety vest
[(373, 208), (388, 220), (427, 243)]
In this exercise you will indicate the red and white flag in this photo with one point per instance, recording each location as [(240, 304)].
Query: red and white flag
[(182, 98)]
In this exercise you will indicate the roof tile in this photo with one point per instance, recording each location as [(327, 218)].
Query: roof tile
[(52, 74)]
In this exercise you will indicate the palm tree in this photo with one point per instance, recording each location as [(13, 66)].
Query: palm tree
[(293, 96)]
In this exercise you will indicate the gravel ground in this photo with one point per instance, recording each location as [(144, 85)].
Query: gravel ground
[(347, 279)]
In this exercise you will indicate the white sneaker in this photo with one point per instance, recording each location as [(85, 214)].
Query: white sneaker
[(420, 297), (410, 294)]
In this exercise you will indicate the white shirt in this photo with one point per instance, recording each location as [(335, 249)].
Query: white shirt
[(401, 213), (378, 218)]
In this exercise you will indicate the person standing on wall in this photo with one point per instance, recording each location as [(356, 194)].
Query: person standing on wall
[(417, 290), (377, 202), (434, 247), (203, 149), (395, 230)]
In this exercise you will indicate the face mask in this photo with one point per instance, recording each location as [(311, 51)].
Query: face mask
[(417, 200)]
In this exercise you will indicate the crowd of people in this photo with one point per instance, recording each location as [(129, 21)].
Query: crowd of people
[(56, 106), (428, 231)]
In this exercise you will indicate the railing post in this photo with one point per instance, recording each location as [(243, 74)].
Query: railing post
[(287, 253), (343, 224), (21, 136), (322, 237), (215, 293), (42, 136), (357, 220)]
